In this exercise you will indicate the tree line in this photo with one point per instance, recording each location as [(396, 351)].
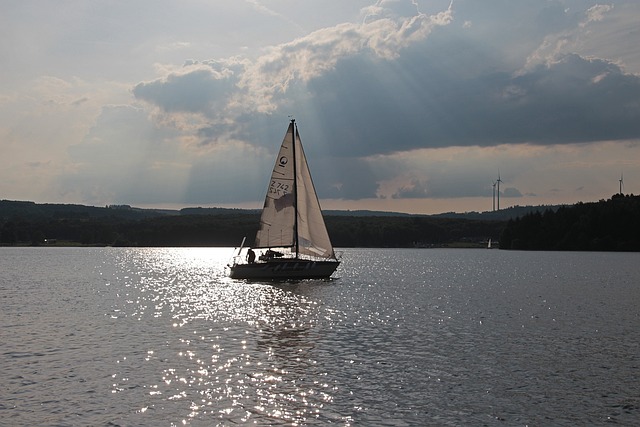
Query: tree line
[(32, 224), (607, 225)]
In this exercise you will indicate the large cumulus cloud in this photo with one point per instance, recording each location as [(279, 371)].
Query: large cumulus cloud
[(416, 104), (225, 89), (383, 85), (402, 80)]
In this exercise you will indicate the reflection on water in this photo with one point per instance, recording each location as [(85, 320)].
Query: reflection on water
[(233, 351), (135, 336)]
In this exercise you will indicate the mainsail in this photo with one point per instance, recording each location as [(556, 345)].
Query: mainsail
[(291, 216)]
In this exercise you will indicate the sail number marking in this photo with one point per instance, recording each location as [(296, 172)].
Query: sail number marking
[(278, 188)]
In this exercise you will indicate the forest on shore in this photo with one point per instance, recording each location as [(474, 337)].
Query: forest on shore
[(607, 225), (28, 223)]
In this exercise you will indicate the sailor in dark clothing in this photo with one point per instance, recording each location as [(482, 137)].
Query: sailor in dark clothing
[(251, 256)]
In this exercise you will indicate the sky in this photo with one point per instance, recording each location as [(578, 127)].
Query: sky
[(402, 105)]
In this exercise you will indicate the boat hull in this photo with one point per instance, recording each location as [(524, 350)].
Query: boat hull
[(284, 269)]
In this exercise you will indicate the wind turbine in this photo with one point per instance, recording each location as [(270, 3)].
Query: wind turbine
[(498, 182), (621, 183), (494, 196)]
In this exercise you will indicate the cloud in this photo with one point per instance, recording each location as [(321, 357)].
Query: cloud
[(196, 88), (511, 192), (345, 178), (259, 86), (415, 190), (393, 103), (361, 103), (128, 158), (596, 13), (573, 99), (566, 31), (385, 86), (80, 101)]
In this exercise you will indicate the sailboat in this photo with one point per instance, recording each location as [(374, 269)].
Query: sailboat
[(292, 241)]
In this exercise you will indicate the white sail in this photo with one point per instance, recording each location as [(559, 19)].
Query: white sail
[(277, 220), (278, 223), (312, 231)]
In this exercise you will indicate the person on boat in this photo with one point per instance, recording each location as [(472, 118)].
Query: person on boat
[(251, 256), (270, 254)]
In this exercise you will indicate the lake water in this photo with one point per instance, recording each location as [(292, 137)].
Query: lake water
[(435, 337)]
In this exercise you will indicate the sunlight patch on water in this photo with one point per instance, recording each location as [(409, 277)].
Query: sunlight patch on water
[(232, 350)]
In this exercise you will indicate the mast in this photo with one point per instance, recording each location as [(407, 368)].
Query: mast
[(295, 187)]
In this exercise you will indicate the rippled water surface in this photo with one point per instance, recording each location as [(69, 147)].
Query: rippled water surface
[(123, 336)]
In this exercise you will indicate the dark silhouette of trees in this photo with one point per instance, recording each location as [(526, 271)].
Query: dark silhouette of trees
[(611, 225), (607, 225), (30, 223)]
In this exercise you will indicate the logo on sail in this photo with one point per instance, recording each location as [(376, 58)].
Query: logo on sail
[(283, 161)]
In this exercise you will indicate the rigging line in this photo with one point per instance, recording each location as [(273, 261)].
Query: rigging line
[(295, 186)]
